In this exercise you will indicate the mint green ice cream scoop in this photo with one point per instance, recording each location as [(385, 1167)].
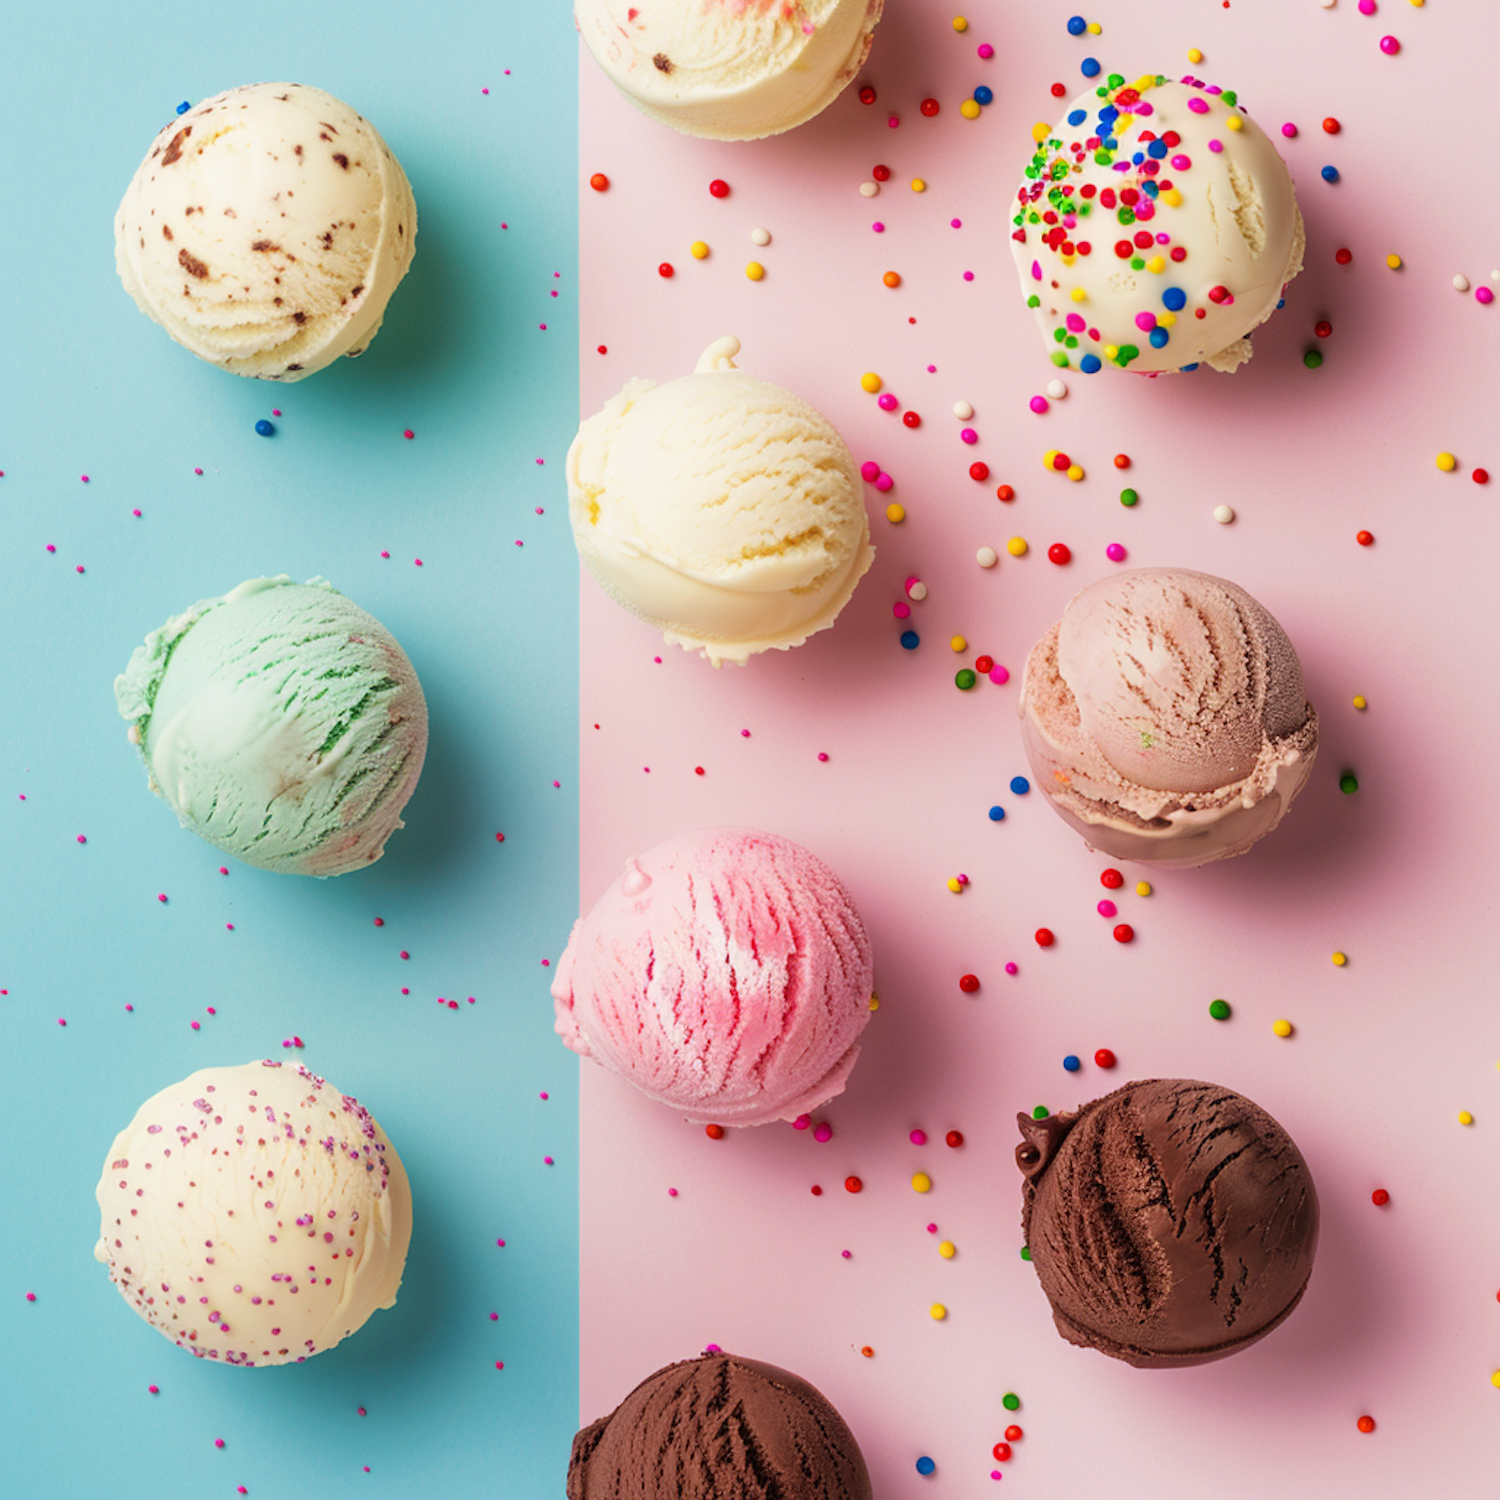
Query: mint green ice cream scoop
[(281, 723)]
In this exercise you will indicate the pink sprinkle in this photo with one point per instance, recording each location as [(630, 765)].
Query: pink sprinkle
[(136, 514), (878, 227), (884, 483), (1011, 969), (886, 402), (81, 839), (1389, 45), (84, 478), (932, 1229), (229, 927), (380, 921), (218, 1442), (986, 51), (31, 1296), (61, 1021), (918, 1138), (970, 436), (845, 1254), (956, 223), (822, 755), (197, 471), (1039, 404), (999, 675), (129, 1007), (869, 471), (275, 412), (499, 838), (671, 1192), (1367, 7), (893, 122), (162, 897), (500, 1244), (1107, 909), (51, 548), (385, 554), (417, 561), (1483, 294), (482, 91), (543, 1094), (823, 1131), (1198, 106), (1115, 552), (79, 568), (968, 276), (547, 1161), (405, 954), (744, 734), (1289, 130), (1180, 163), (963, 879), (1216, 146), (408, 434), (901, 609), (801, 1122), (194, 1025)]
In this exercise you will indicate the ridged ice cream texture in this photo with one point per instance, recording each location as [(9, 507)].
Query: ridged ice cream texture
[(721, 509), (254, 1215), (1225, 233), (726, 974), (1165, 717), (266, 230), (1172, 1222), (715, 1426), (731, 70), (280, 722)]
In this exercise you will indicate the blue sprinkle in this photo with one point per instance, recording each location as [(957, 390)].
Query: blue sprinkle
[(1138, 159), (1188, 369), (1071, 1063), (1330, 174), (1150, 188), (1156, 150), (1159, 337), (1090, 67), (1019, 785), (910, 640), (264, 428), (1281, 304), (1109, 113), (925, 1465), (1077, 26), (1174, 299), (184, 107), (984, 94), (1090, 364), (997, 815), (1077, 116)]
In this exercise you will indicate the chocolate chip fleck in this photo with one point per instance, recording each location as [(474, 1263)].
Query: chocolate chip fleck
[(265, 245), (166, 233), (357, 290), (174, 146), (192, 265), (663, 62), (299, 318), (341, 159)]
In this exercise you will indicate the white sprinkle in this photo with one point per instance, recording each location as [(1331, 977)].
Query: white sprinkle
[(917, 591), (1056, 389), (986, 557), (1328, 4), (760, 236), (869, 189), (1223, 514), (962, 410), (1460, 283)]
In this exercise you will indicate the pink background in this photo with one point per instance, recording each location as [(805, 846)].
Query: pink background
[(1401, 1319)]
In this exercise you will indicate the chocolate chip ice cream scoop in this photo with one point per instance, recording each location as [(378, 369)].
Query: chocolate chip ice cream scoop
[(719, 1426), (1171, 1222)]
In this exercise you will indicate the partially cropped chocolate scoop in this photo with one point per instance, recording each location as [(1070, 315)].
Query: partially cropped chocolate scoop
[(1171, 1222), (719, 1426)]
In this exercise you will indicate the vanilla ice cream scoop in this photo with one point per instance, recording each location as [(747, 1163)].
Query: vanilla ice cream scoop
[(254, 1215), (733, 70), (722, 510), (1165, 718), (266, 230), (1156, 229)]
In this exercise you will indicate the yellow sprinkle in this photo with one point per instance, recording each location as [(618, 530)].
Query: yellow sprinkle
[(921, 1183), (1446, 462), (1157, 264), (1340, 959), (1095, 28), (947, 1249), (1360, 701), (1111, 350), (959, 24), (1173, 197), (895, 513), (1039, 131), (955, 884), (871, 382), (755, 270), (1047, 458), (1495, 1378), (1143, 888), (918, 185), (874, 1002), (1194, 55), (1394, 262), (1016, 546), (1078, 294), (959, 643), (1235, 123), (1144, 82), (1075, 473), (1168, 320), (1465, 1118), (1419, 3), (969, 109), (1282, 1028), (938, 1311), (699, 249)]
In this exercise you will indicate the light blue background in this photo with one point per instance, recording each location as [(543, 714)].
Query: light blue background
[(88, 385)]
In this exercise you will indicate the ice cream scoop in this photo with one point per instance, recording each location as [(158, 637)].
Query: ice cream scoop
[(1165, 718), (254, 1215), (719, 1425), (1156, 228), (281, 723), (720, 509), (733, 70), (726, 974), (1171, 1222), (266, 230)]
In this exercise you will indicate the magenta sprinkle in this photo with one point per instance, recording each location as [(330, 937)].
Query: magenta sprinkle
[(801, 1122), (1011, 969), (918, 1138), (823, 1131), (986, 51), (1483, 294), (884, 483), (1115, 552)]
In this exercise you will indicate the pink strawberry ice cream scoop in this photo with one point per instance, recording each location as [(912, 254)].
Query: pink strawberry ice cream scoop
[(726, 974)]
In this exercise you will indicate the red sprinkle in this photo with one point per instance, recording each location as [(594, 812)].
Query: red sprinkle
[(853, 1185), (1044, 938), (1343, 257), (1331, 125), (1481, 476), (954, 1138), (911, 419), (1104, 1058), (867, 95), (1366, 1424), (983, 665), (1059, 554), (1005, 493), (1001, 1451), (1111, 880), (1059, 90), (714, 1132), (719, 188), (880, 174), (981, 472), (1380, 1197), (665, 269), (1323, 328), (1124, 932), (969, 983), (599, 182), (930, 107), (1013, 1434), (1365, 538), (1122, 460)]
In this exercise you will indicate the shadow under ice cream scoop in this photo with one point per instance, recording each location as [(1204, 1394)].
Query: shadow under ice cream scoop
[(719, 1426), (727, 974), (281, 723), (1171, 1222), (1165, 718)]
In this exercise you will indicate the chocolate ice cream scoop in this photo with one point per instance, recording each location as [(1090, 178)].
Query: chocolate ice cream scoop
[(1171, 1222), (718, 1426)]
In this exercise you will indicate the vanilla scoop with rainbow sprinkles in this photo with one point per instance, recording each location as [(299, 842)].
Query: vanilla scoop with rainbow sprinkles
[(1156, 230)]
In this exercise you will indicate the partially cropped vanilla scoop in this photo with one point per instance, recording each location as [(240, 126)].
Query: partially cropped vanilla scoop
[(266, 230), (721, 509)]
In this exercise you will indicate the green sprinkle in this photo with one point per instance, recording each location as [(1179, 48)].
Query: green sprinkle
[(1040, 1112), (1219, 1009), (1348, 784), (965, 680), (1137, 264), (1033, 300), (1128, 497), (1060, 359), (1312, 359), (1230, 97), (1010, 1401)]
